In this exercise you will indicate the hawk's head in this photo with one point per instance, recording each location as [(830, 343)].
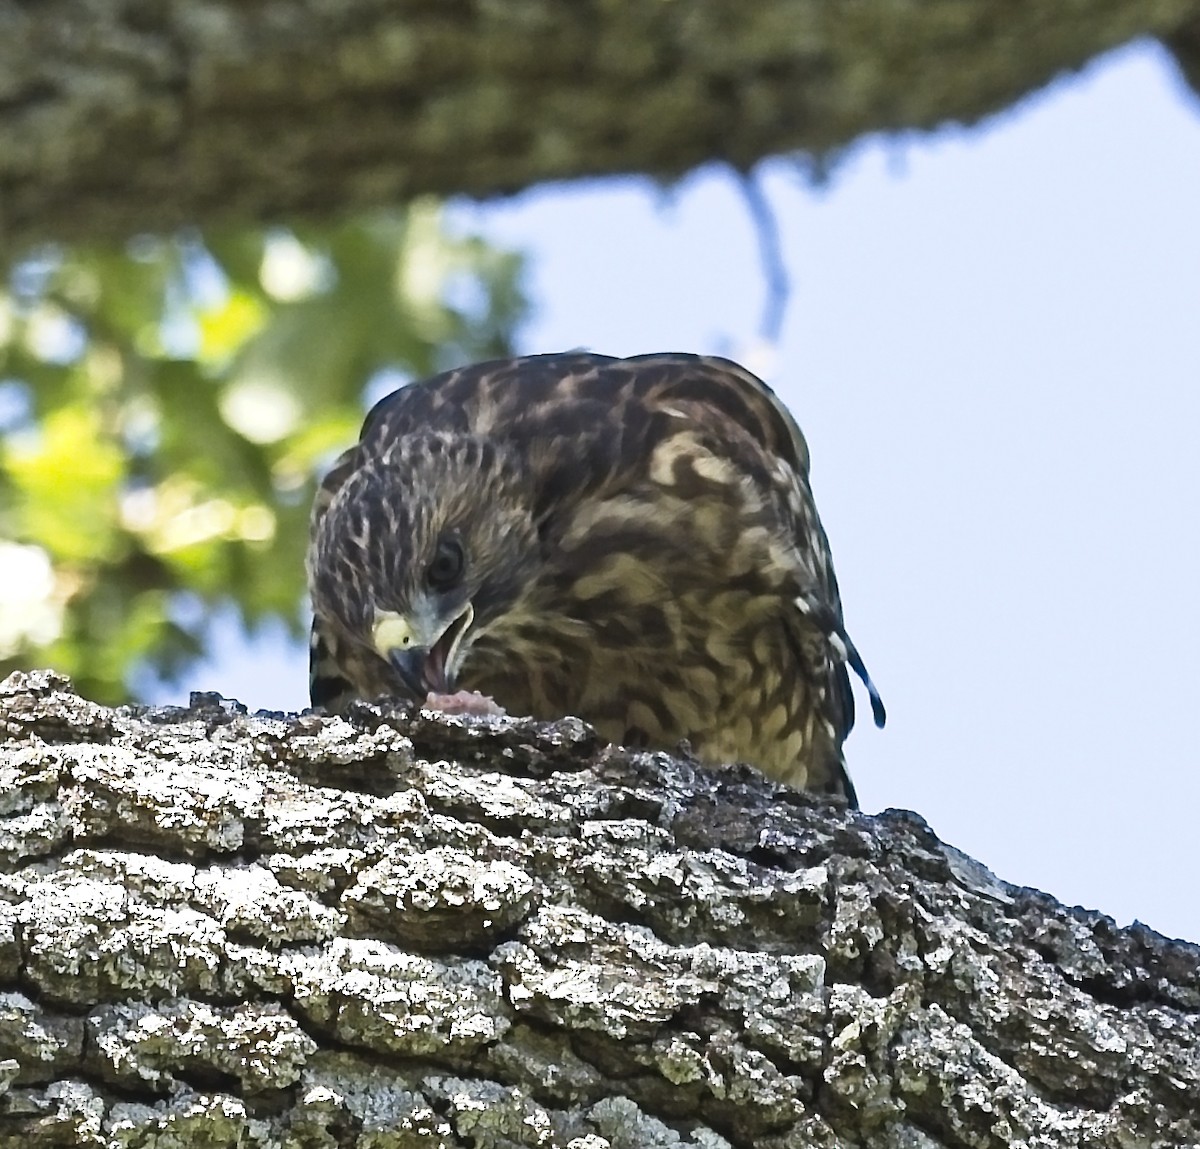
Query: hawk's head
[(421, 550)]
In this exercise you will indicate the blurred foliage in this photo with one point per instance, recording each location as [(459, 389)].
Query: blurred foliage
[(165, 410)]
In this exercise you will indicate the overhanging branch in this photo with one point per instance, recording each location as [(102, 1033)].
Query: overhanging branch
[(118, 116)]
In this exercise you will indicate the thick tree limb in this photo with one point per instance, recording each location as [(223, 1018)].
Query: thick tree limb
[(119, 116), (407, 931)]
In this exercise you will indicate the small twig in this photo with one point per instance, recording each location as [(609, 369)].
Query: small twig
[(770, 252)]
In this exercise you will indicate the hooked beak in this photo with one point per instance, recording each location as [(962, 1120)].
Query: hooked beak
[(423, 652)]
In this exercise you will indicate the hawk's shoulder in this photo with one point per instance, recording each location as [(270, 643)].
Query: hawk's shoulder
[(723, 398)]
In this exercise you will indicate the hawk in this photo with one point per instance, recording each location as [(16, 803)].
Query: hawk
[(631, 541)]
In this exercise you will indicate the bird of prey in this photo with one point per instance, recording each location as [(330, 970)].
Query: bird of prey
[(631, 541)]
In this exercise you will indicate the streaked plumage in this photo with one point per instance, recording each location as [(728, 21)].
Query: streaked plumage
[(632, 541)]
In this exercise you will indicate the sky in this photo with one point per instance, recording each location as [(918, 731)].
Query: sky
[(992, 344)]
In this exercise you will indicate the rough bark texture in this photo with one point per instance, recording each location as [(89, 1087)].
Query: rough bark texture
[(407, 930), (119, 116)]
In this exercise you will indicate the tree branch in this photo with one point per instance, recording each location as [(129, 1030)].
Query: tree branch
[(118, 116), (410, 930)]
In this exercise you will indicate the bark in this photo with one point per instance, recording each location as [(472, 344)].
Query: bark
[(118, 116), (414, 930)]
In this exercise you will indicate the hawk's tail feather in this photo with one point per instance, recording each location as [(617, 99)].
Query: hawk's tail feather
[(846, 651), (878, 712)]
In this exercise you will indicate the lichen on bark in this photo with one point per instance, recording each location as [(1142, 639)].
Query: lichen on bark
[(406, 929)]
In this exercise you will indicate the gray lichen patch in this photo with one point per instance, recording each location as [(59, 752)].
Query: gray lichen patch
[(683, 893), (43, 1045), (340, 1090), (548, 1066), (324, 871), (250, 904), (858, 1075), (582, 972), (184, 1120), (45, 828), (30, 775), (621, 1124), (195, 805), (489, 1113), (332, 751), (439, 900), (499, 799), (298, 819), (374, 996), (138, 1044), (87, 940)]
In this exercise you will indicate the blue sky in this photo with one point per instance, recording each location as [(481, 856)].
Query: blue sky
[(993, 347)]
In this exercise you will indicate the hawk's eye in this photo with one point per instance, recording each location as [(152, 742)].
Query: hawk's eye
[(446, 570)]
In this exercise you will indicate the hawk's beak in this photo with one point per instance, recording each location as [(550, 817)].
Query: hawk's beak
[(412, 665), (421, 648)]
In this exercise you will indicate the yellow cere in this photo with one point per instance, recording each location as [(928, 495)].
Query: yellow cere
[(391, 632)]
